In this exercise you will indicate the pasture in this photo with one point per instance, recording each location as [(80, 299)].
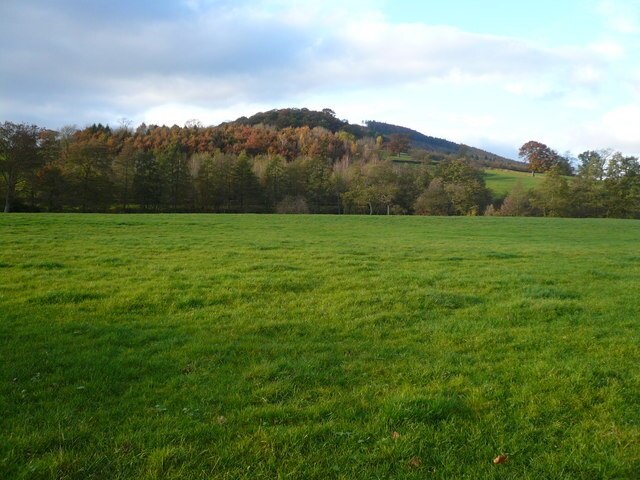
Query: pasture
[(502, 181), (315, 347)]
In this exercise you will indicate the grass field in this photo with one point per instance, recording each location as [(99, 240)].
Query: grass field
[(314, 347), (502, 181)]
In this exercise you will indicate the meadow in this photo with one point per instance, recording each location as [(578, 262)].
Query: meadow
[(315, 347), (502, 181)]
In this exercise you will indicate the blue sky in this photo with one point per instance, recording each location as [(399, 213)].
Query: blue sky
[(492, 74)]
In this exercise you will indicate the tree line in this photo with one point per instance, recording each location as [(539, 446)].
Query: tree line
[(238, 167), (604, 184)]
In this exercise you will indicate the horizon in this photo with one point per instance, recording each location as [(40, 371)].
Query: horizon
[(564, 75)]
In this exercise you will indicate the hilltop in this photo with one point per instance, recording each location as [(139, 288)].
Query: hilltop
[(326, 118)]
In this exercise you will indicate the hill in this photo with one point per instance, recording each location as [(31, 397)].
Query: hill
[(301, 117), (417, 139), (440, 145), (501, 181), (326, 118)]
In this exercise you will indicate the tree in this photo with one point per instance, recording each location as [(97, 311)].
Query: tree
[(318, 182), (147, 180), (465, 186), (553, 195), (52, 186), (89, 169), (358, 195), (246, 187), (517, 202), (382, 183), (410, 183), (292, 205), (224, 166), (622, 186), (123, 168), (398, 143), (587, 189), (539, 157), (340, 181), (274, 179), (564, 163), (175, 175), (205, 180), (19, 156), (349, 144), (434, 200)]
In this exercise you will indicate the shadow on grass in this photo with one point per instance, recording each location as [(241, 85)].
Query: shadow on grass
[(427, 410)]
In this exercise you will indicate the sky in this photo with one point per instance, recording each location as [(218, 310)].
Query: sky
[(491, 74)]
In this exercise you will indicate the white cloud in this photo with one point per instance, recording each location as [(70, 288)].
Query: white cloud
[(616, 128), (621, 16), (531, 88), (587, 75), (608, 49)]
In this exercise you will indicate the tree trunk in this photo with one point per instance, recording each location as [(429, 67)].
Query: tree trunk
[(125, 202), (370, 209), (8, 202), (388, 213)]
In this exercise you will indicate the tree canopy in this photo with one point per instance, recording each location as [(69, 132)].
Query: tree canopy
[(238, 167)]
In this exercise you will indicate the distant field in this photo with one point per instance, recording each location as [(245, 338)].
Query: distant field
[(315, 347), (404, 158), (502, 181)]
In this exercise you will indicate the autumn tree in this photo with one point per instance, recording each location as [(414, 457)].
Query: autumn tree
[(539, 156), (398, 143), (349, 145)]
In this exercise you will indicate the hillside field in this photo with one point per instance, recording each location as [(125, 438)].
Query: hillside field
[(502, 181), (318, 347)]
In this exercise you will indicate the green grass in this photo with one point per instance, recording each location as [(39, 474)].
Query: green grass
[(231, 347), (502, 181), (404, 158)]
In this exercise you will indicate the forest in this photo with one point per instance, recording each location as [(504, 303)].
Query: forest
[(295, 161)]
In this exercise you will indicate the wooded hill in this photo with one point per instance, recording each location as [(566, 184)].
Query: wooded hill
[(301, 117)]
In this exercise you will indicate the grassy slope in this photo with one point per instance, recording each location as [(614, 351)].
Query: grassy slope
[(264, 346), (502, 181)]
